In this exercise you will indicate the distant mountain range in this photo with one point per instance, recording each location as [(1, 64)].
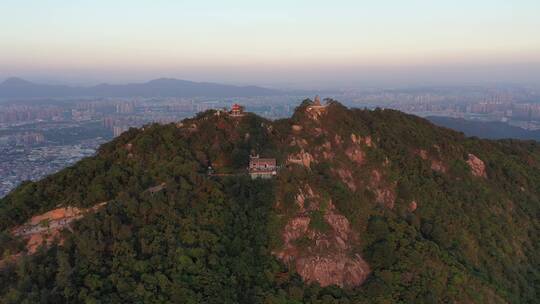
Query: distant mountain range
[(163, 87), (483, 129)]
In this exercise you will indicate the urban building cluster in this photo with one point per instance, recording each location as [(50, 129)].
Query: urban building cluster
[(513, 105), (12, 114), (22, 139), (35, 162)]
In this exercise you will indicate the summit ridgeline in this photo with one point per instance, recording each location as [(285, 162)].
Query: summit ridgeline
[(332, 205)]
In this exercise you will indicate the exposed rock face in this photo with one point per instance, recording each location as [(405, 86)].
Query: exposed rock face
[(295, 228), (478, 168), (326, 253), (354, 138), (423, 154), (327, 145), (328, 155), (357, 139), (340, 225), (303, 158), (327, 258), (355, 151), (436, 164), (302, 196), (327, 152), (300, 142), (384, 193), (347, 178), (385, 196), (338, 140), (368, 141), (439, 166), (356, 155), (412, 206), (297, 128), (336, 269)]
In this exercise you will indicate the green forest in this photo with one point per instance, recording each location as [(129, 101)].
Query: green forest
[(212, 239)]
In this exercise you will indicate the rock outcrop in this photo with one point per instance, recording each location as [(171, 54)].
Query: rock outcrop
[(356, 155), (478, 168), (345, 175), (302, 158), (385, 193), (337, 269), (436, 164), (412, 206), (325, 257)]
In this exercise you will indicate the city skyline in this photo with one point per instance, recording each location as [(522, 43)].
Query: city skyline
[(301, 44)]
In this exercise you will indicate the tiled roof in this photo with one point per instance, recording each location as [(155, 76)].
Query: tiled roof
[(262, 161)]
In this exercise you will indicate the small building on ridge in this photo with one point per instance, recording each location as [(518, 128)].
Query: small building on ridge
[(237, 110), (262, 167)]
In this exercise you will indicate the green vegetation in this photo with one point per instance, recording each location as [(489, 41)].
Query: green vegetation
[(210, 240)]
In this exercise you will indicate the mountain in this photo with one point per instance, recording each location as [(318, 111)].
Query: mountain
[(489, 130), (16, 82), (366, 207), (163, 87)]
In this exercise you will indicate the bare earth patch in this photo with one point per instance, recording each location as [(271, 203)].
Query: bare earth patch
[(44, 229)]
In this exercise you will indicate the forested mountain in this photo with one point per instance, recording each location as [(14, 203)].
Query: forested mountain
[(163, 87), (367, 207)]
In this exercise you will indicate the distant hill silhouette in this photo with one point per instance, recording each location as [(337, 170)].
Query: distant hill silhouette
[(481, 129), (164, 87)]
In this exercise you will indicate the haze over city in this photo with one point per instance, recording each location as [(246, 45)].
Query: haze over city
[(286, 44)]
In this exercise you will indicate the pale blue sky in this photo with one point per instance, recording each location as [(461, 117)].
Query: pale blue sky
[(262, 41)]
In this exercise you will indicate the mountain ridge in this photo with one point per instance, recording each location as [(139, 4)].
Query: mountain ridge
[(166, 87)]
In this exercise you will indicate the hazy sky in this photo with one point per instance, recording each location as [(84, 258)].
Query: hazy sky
[(274, 42)]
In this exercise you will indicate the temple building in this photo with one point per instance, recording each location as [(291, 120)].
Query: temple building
[(262, 167), (237, 110)]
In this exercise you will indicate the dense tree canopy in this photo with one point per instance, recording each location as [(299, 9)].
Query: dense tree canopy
[(207, 239)]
